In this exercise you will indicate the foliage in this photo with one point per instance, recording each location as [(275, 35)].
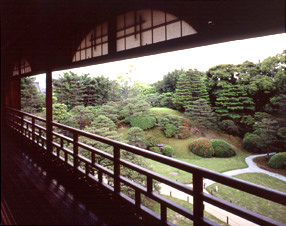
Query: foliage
[(143, 122), (31, 100), (267, 131), (162, 121), (229, 126), (169, 82), (155, 149), (251, 142), (168, 150), (151, 141), (278, 161), (202, 147), (183, 96), (222, 148), (232, 101), (170, 130), (110, 110), (83, 115), (247, 122), (136, 137), (201, 113), (182, 132)]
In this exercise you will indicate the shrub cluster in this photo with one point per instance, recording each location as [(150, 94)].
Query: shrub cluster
[(222, 148), (168, 150), (155, 149), (143, 122), (251, 142), (278, 161), (202, 147)]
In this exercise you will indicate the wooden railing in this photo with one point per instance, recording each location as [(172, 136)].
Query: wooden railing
[(26, 124)]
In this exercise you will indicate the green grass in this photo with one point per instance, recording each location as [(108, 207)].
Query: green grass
[(251, 202), (159, 111), (178, 219)]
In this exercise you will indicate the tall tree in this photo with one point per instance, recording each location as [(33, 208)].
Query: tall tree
[(201, 113), (169, 82), (31, 100), (232, 102), (183, 95)]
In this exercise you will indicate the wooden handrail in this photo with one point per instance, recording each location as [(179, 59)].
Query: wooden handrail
[(198, 174)]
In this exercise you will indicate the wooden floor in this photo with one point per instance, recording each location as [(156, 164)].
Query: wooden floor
[(36, 192)]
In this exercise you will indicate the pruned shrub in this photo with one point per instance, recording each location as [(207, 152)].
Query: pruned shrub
[(251, 142), (162, 121), (155, 149), (143, 122), (202, 147), (278, 161), (170, 130), (222, 149), (168, 150), (151, 141), (182, 132)]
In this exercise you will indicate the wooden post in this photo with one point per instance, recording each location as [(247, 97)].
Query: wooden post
[(163, 214), (49, 110), (75, 150), (149, 184), (116, 156), (198, 199)]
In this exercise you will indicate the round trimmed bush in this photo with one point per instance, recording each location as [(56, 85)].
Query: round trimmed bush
[(182, 132), (202, 147), (278, 161), (170, 130), (251, 142), (222, 149), (155, 149), (143, 122), (168, 150)]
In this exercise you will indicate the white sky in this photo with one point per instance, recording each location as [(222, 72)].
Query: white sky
[(152, 68)]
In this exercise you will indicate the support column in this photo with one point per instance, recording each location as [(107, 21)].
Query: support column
[(49, 110)]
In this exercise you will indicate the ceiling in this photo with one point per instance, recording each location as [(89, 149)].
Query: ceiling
[(46, 32)]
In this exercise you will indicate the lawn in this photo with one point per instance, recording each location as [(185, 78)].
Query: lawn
[(251, 202), (159, 111), (178, 219)]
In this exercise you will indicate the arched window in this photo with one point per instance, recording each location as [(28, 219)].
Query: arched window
[(94, 44), (145, 27), (22, 67)]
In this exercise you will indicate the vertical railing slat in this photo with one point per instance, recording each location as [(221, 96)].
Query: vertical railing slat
[(75, 150), (116, 156), (198, 199)]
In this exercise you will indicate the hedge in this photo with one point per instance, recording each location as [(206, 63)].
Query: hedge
[(168, 150), (222, 149), (202, 147), (278, 161), (143, 122)]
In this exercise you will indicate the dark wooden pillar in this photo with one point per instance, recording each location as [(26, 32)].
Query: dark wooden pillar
[(49, 110)]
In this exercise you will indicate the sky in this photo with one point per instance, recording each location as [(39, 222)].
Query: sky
[(150, 69)]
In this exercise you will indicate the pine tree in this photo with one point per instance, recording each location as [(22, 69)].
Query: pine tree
[(232, 102), (183, 95), (201, 113), (31, 100), (198, 87)]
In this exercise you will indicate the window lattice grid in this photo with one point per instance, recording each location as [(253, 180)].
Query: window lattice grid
[(94, 44), (145, 27), (22, 67)]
